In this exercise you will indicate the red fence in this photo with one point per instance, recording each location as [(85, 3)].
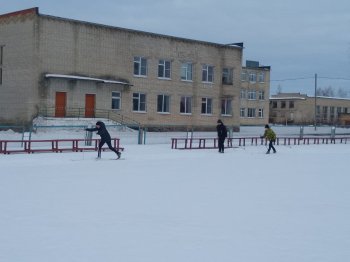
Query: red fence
[(56, 145), (209, 143)]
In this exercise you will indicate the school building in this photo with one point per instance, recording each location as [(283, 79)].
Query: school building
[(52, 66), (296, 108)]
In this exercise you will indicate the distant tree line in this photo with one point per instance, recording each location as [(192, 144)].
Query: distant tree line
[(331, 92)]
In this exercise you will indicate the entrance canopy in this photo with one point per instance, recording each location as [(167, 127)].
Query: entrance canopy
[(106, 81)]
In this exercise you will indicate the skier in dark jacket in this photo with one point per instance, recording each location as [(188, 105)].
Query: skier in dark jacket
[(222, 134), (105, 138)]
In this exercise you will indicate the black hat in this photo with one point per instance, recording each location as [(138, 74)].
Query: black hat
[(219, 121), (267, 126)]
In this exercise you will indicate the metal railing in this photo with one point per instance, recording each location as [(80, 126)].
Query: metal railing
[(78, 112)]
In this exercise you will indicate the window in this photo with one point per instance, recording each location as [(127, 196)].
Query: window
[(261, 112), (251, 95), (207, 73), (244, 76), (242, 112), (186, 105), (186, 71), (116, 100), (139, 102), (261, 95), (332, 111), (291, 104), (243, 94), (163, 102), (283, 104), (252, 77), (338, 110), (140, 66), (345, 110), (274, 104), (251, 112), (226, 106), (262, 77), (318, 111), (325, 112), (164, 69), (207, 106), (1, 62), (227, 76)]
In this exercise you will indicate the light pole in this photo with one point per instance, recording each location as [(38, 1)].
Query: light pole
[(315, 100)]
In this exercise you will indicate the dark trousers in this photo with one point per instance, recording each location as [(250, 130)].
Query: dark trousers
[(109, 144), (221, 144), (271, 146)]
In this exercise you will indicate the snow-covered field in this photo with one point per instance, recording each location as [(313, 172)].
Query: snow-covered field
[(170, 205)]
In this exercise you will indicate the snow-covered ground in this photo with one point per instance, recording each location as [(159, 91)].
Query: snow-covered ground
[(170, 205)]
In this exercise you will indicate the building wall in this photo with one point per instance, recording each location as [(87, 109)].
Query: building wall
[(78, 48), (251, 84), (303, 112), (18, 91), (36, 45)]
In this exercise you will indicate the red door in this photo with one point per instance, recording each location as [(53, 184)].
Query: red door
[(60, 107), (89, 105)]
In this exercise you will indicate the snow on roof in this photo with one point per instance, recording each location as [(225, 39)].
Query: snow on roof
[(288, 98), (87, 78)]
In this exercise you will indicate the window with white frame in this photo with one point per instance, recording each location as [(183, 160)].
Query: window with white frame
[(1, 61), (139, 102), (140, 66), (207, 73), (261, 112), (207, 105), (116, 100), (164, 69), (226, 106), (251, 95), (244, 75), (252, 77), (338, 110), (186, 71), (227, 76), (261, 95), (251, 112), (163, 104), (242, 112), (243, 94), (261, 77), (186, 105)]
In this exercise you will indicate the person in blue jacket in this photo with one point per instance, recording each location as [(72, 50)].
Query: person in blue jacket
[(105, 138)]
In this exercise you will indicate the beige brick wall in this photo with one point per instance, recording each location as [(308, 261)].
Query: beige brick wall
[(37, 44), (19, 89), (68, 47), (245, 102), (303, 111)]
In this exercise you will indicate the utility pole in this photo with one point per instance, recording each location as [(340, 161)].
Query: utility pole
[(315, 100)]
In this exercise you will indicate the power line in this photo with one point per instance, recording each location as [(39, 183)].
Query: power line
[(303, 78), (291, 79)]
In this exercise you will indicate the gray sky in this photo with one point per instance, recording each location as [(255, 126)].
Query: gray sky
[(297, 38)]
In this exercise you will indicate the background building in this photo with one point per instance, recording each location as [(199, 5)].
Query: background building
[(254, 94), (53, 66), (296, 108)]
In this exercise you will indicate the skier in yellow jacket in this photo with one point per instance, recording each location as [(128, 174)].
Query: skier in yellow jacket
[(270, 135)]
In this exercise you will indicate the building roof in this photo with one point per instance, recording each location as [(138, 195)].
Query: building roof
[(35, 10)]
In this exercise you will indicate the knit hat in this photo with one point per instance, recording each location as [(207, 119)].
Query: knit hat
[(219, 121), (267, 126)]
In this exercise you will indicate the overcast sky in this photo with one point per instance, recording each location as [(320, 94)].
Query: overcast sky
[(297, 38)]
